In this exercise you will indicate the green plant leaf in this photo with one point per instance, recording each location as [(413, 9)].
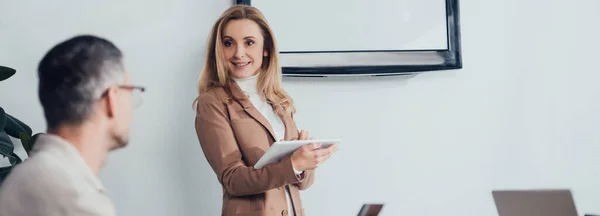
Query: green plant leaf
[(28, 142), (24, 138), (4, 171), (6, 146), (14, 127), (6, 72), (7, 149), (2, 118), (14, 159)]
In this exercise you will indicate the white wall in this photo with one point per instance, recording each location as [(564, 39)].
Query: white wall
[(523, 113)]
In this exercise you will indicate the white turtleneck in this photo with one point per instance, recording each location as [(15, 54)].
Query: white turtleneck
[(249, 86)]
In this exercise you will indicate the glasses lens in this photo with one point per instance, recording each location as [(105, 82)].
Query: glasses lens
[(136, 98)]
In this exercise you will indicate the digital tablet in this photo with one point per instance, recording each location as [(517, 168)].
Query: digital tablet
[(281, 149)]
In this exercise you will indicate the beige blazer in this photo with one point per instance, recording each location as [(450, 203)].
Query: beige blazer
[(233, 137)]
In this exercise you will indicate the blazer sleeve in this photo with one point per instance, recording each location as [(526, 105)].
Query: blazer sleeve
[(219, 145), (307, 179)]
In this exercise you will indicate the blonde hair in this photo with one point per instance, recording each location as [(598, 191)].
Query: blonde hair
[(216, 72)]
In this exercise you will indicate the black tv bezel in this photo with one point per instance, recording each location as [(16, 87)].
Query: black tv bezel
[(451, 58)]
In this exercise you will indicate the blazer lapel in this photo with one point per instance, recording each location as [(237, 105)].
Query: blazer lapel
[(246, 104)]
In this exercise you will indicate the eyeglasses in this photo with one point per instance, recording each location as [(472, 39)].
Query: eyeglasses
[(136, 93)]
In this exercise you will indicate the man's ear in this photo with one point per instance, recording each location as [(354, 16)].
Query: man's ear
[(111, 102)]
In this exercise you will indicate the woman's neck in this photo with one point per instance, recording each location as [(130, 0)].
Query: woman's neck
[(248, 84)]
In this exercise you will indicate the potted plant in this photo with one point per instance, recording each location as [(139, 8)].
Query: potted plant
[(12, 127)]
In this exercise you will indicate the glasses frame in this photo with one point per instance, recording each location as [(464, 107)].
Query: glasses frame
[(142, 89)]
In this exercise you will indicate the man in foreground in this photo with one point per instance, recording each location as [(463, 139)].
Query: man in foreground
[(88, 102)]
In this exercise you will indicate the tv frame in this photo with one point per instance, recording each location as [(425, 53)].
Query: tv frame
[(355, 63)]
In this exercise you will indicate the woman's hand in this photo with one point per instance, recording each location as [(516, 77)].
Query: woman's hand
[(310, 156)]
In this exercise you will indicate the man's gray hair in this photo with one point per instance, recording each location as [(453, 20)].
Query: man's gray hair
[(74, 75)]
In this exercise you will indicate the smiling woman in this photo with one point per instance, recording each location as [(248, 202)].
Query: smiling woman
[(242, 110), (243, 47)]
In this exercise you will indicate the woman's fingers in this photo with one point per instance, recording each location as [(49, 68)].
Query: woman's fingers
[(313, 154), (332, 148), (311, 147), (323, 155), (325, 151), (303, 135)]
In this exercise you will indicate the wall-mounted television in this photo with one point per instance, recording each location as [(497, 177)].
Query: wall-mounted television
[(358, 37)]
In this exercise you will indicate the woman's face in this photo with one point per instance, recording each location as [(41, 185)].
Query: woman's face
[(243, 47)]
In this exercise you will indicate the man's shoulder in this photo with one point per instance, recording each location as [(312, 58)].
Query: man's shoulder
[(35, 181), (45, 183), (40, 170), (50, 161)]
